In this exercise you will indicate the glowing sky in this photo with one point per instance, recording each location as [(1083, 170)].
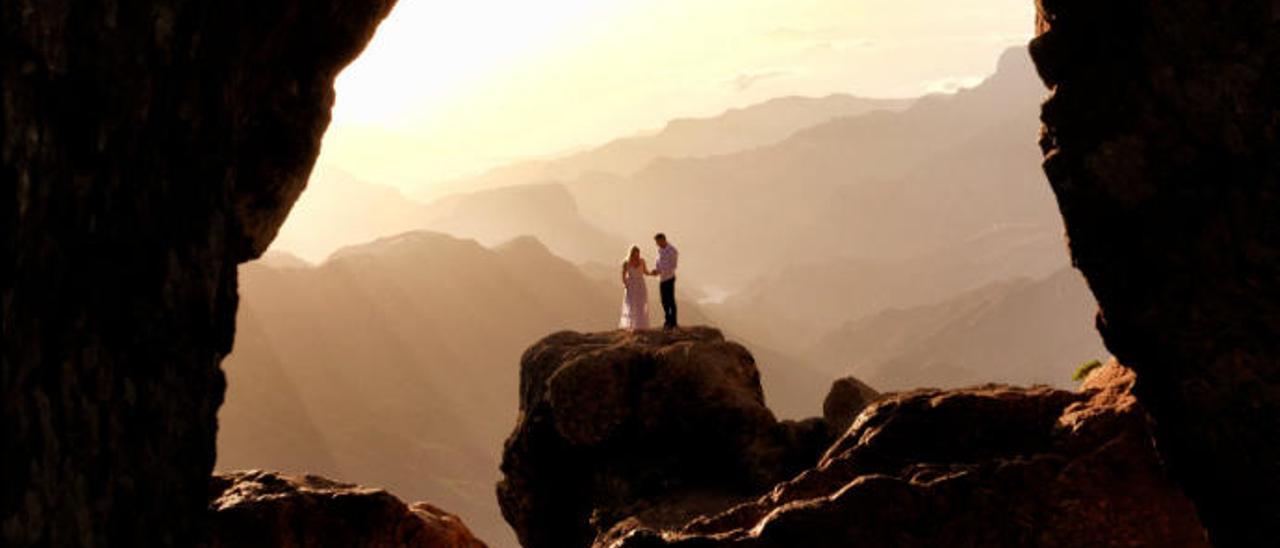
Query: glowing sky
[(451, 88)]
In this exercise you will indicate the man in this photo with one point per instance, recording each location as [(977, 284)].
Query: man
[(665, 270)]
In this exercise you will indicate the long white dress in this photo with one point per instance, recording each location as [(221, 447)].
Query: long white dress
[(635, 303)]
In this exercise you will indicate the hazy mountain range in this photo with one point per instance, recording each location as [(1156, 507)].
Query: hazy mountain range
[(324, 219), (905, 242), (797, 304), (1020, 331), (339, 210), (545, 211), (733, 131), (881, 186), (395, 363)]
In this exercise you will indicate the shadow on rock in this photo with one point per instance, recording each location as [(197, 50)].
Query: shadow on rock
[(663, 439)]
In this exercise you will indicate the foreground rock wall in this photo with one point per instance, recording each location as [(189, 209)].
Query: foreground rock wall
[(147, 148), (1161, 144)]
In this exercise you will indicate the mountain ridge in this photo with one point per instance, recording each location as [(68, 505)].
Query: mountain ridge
[(734, 129), (1021, 331), (392, 362)]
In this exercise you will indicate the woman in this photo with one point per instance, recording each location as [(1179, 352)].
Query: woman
[(635, 303)]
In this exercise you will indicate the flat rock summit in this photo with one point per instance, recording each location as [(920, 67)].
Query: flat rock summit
[(646, 426)]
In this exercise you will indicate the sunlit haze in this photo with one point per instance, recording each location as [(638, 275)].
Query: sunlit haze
[(450, 89), (853, 188), (639, 273)]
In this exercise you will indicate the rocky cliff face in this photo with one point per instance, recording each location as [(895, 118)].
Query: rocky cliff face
[(661, 439), (652, 428), (1161, 144), (147, 148), (265, 510)]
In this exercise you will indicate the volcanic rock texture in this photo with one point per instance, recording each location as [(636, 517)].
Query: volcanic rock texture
[(1161, 144), (147, 148)]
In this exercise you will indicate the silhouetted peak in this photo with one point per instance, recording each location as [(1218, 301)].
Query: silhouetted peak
[(415, 242), (546, 197), (1015, 59), (276, 258), (784, 107)]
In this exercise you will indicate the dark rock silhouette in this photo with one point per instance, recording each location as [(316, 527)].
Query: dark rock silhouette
[(652, 427), (846, 400), (147, 149), (987, 466), (262, 509), (659, 439), (1161, 144)]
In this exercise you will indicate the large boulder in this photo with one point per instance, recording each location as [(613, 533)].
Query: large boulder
[(1162, 144), (986, 466), (147, 149), (258, 509), (654, 427)]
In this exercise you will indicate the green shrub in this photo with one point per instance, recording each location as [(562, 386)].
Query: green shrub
[(1084, 369)]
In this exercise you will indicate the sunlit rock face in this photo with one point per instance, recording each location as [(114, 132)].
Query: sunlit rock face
[(1161, 145), (258, 509), (147, 149), (661, 439)]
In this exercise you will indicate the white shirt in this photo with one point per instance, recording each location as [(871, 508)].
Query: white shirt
[(667, 259)]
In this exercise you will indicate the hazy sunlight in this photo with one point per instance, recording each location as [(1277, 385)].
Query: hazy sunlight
[(450, 89)]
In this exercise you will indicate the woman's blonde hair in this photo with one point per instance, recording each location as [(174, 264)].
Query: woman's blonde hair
[(635, 250)]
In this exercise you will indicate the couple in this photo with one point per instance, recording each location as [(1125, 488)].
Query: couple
[(635, 305)]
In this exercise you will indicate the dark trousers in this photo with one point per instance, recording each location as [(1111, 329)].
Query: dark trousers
[(668, 291)]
